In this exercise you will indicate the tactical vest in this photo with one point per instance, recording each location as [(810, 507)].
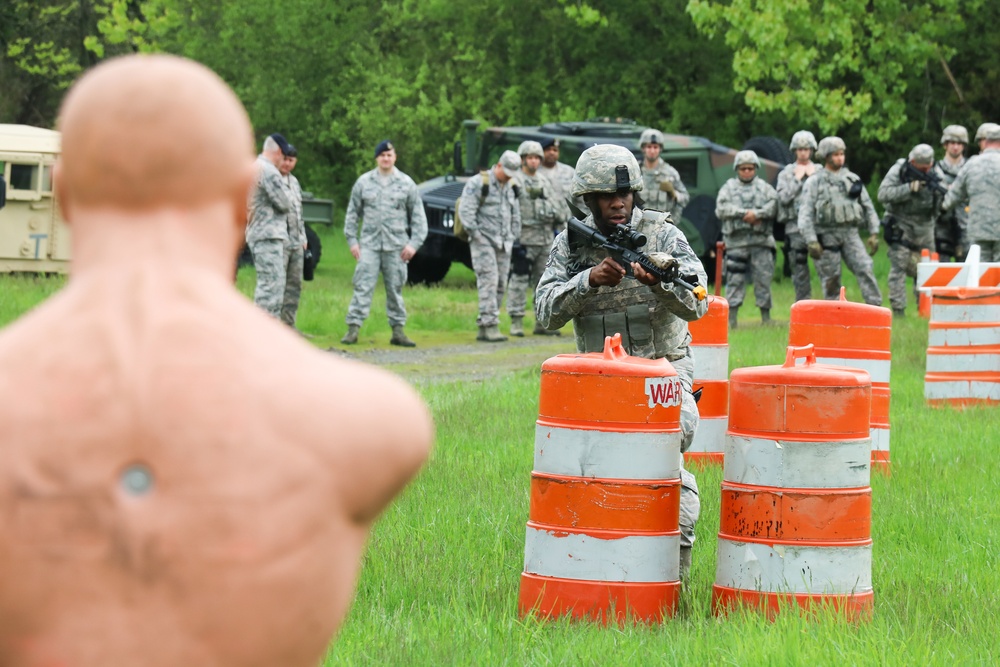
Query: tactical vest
[(834, 207)]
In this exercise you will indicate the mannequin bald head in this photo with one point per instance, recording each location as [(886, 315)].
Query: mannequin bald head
[(132, 127)]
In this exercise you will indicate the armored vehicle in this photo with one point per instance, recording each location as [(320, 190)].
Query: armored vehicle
[(33, 236), (703, 166)]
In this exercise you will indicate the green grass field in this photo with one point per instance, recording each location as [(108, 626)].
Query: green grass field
[(440, 578)]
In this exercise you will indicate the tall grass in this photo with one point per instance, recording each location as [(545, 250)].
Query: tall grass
[(441, 574)]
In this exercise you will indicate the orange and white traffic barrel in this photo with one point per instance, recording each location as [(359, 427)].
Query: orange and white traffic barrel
[(795, 527), (710, 351), (963, 347), (858, 336), (603, 535)]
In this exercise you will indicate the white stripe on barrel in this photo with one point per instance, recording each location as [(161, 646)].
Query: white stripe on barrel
[(630, 559), (963, 336), (826, 464), (711, 362), (961, 389), (969, 312), (943, 360), (880, 439), (789, 568), (710, 438), (607, 454)]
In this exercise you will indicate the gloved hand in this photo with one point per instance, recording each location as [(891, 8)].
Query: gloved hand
[(668, 187), (916, 185), (872, 244), (815, 250)]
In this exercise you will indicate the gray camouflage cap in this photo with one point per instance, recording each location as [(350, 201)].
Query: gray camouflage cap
[(981, 132), (992, 133), (510, 162), (955, 133), (606, 168), (828, 146), (650, 136), (803, 139), (746, 157), (530, 148), (922, 154)]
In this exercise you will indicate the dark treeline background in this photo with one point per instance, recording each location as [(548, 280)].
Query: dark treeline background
[(337, 76)]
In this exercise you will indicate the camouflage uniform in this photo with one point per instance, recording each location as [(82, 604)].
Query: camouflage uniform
[(394, 218), (830, 215), (267, 236), (951, 229), (493, 224), (978, 183), (658, 199), (652, 320), (789, 193), (542, 214), (749, 248), (296, 252), (561, 178), (913, 215)]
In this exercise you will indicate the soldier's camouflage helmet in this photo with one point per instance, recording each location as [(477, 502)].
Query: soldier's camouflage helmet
[(983, 129), (922, 154), (991, 131), (828, 146), (955, 133), (650, 136), (606, 168), (746, 157), (803, 139), (530, 148)]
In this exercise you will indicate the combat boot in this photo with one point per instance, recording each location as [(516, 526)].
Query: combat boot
[(685, 563), (517, 326), (899, 312), (542, 331), (765, 317), (351, 337), (732, 317), (400, 338), (482, 334), (493, 334)]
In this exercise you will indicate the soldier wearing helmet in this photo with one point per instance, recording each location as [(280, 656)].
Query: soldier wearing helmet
[(602, 298), (746, 206), (791, 179), (543, 214), (834, 207), (949, 230), (911, 208), (978, 185), (662, 186)]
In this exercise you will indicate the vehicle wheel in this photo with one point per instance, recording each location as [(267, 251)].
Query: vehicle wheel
[(770, 148), (313, 244), (426, 270)]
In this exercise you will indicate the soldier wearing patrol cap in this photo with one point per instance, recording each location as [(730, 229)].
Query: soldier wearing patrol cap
[(543, 215), (492, 216), (949, 230), (560, 174), (911, 208), (662, 186), (585, 285), (834, 206), (978, 184), (267, 233), (395, 226), (791, 180), (746, 206)]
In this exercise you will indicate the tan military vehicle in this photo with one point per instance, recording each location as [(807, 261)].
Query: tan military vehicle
[(33, 236)]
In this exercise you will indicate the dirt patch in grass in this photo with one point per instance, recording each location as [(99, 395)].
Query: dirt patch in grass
[(477, 361)]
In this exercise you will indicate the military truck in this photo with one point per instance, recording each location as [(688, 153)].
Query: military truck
[(703, 166), (33, 236)]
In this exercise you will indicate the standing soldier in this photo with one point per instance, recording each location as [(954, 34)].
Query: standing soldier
[(394, 228), (560, 174), (950, 229), (662, 186), (651, 316), (834, 206), (911, 208), (267, 230), (746, 206), (542, 216), (790, 182), (979, 184), (296, 238), (490, 213)]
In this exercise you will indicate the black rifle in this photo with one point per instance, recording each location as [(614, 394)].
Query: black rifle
[(910, 173), (622, 246)]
